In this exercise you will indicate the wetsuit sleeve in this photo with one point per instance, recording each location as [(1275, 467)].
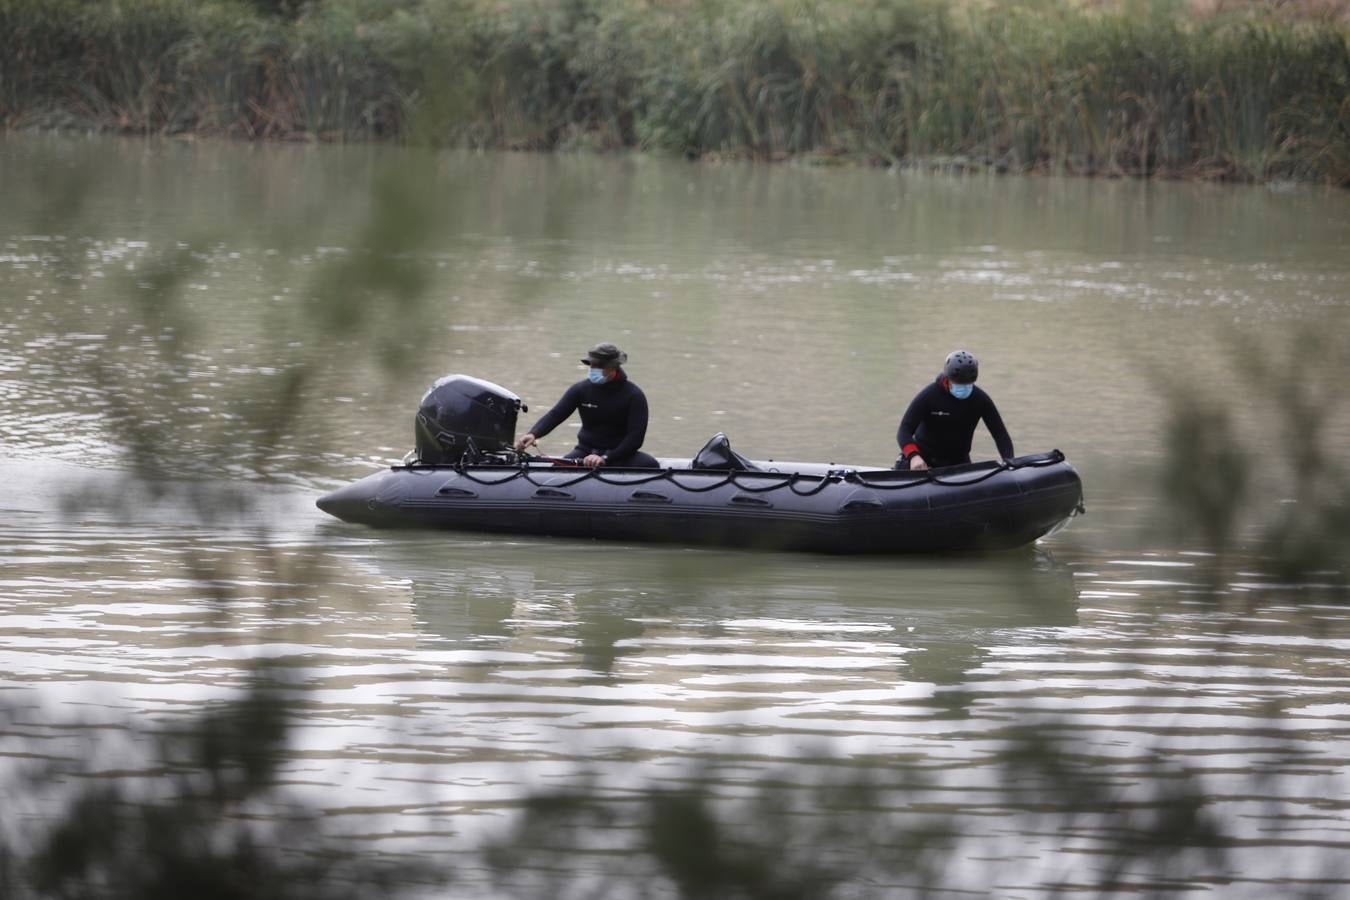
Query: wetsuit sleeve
[(994, 422), (909, 423), (550, 420), (637, 427)]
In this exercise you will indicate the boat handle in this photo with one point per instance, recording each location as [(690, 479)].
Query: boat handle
[(861, 504), (554, 494), (747, 500), (455, 492), (648, 497)]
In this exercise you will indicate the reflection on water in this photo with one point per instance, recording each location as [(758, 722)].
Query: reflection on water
[(912, 615), (446, 675)]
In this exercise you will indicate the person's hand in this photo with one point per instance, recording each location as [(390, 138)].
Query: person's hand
[(917, 463), (526, 440), (593, 460)]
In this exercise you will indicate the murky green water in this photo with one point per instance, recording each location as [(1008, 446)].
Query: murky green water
[(795, 309)]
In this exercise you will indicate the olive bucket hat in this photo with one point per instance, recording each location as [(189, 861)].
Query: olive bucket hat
[(604, 356)]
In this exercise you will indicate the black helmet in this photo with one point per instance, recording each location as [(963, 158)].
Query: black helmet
[(961, 367)]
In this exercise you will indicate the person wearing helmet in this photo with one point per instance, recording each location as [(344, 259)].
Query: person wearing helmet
[(939, 424), (613, 414)]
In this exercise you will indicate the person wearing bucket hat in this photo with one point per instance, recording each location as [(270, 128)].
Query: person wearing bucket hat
[(613, 414), (939, 424)]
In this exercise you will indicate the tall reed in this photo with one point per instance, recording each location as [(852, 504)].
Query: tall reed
[(1035, 86)]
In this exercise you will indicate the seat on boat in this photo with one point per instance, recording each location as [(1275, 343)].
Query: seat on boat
[(717, 454)]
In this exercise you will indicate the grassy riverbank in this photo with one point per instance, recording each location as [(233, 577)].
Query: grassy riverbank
[(1044, 86)]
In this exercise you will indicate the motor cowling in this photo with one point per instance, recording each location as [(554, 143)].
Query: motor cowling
[(464, 415)]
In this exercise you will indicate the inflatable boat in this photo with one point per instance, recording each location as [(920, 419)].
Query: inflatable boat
[(464, 475)]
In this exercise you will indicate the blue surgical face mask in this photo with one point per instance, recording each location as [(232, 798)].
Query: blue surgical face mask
[(596, 376), (961, 391)]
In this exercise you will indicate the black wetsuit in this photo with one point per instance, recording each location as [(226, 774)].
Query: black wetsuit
[(940, 427), (613, 421)]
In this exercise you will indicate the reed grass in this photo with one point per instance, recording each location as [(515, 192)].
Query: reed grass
[(1114, 90)]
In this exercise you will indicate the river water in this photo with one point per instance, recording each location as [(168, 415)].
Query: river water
[(160, 301)]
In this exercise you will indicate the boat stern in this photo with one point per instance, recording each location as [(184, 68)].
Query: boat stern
[(362, 501)]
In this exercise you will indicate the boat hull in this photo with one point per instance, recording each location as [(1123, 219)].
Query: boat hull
[(782, 506)]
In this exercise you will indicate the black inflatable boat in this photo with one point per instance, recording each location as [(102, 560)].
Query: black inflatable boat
[(463, 475)]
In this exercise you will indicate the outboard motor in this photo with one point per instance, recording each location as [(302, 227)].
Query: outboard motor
[(464, 415)]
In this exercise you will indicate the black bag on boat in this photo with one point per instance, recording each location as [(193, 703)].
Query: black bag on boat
[(717, 454)]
